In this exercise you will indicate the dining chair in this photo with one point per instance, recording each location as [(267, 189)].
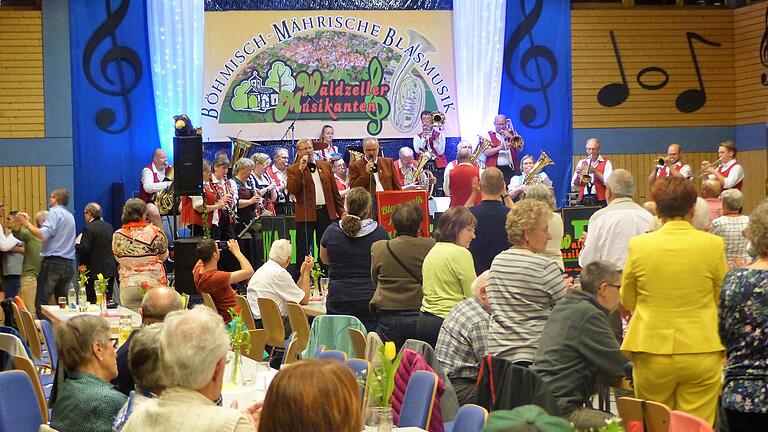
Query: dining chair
[(418, 400), (470, 418), (19, 322), (273, 324), (362, 370), (258, 341), (373, 344), (208, 301), (299, 324), (25, 365), (358, 342), (19, 407), (653, 416), (292, 351), (12, 344), (333, 355), (680, 421), (247, 313), (34, 339), (50, 342)]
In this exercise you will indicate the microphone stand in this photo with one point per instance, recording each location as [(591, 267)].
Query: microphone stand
[(291, 128)]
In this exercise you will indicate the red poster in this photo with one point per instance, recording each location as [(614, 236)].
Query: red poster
[(389, 199)]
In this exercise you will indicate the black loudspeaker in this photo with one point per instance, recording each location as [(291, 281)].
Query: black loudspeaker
[(188, 165), (118, 200), (184, 261)]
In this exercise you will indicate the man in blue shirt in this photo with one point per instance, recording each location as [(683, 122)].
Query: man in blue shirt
[(58, 249)]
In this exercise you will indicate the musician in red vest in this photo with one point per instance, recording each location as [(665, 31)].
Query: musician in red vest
[(340, 175), (432, 139), (155, 177), (501, 154), (673, 166), (463, 144), (597, 169), (729, 173), (277, 172), (194, 207), (460, 179)]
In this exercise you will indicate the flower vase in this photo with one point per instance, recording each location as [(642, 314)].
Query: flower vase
[(237, 368), (101, 296), (378, 419)]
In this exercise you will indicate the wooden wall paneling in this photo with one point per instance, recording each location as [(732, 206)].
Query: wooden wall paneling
[(22, 106), (754, 162), (23, 188)]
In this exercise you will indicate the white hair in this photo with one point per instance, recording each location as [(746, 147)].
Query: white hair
[(732, 199), (621, 183), (701, 215), (480, 283), (405, 151), (281, 251), (191, 344)]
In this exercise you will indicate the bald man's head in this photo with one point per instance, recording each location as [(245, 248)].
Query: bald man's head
[(710, 189), (492, 181), (159, 302)]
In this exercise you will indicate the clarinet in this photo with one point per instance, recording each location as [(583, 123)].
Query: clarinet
[(232, 207)]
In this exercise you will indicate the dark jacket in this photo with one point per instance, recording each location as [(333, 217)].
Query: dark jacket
[(501, 385), (396, 288), (577, 345), (95, 249)]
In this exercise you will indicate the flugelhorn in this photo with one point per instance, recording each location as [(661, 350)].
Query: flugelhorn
[(707, 164), (585, 170)]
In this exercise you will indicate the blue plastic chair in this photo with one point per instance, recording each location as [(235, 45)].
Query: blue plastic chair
[(50, 342), (361, 368), (19, 408), (418, 400), (470, 418), (333, 355)]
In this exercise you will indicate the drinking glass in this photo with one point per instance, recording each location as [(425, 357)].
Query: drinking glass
[(62, 303), (323, 286), (125, 328)]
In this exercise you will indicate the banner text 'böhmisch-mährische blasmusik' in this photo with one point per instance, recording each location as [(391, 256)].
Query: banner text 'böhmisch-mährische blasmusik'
[(364, 72)]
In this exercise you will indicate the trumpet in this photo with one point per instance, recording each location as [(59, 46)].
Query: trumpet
[(513, 138), (482, 145), (585, 170), (660, 162), (438, 119), (705, 165)]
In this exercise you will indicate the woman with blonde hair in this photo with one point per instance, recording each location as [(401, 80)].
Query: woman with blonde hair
[(313, 395), (263, 184), (524, 285), (448, 271), (346, 248), (541, 192)]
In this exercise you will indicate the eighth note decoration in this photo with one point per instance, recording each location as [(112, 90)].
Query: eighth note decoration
[(688, 101)]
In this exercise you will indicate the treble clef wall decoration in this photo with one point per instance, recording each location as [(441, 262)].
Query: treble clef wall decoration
[(112, 62), (764, 51), (539, 77)]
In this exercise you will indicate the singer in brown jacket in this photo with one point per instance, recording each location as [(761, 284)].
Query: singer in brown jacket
[(315, 208), (360, 171)]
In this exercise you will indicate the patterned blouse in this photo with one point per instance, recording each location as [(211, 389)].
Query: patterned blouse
[(85, 403), (140, 249), (744, 332)]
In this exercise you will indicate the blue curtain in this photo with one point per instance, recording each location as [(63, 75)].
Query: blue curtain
[(536, 82), (113, 110)]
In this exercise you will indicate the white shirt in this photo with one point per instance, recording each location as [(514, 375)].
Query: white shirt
[(148, 180), (197, 202), (222, 185), (734, 176), (272, 281), (7, 242), (319, 195), (447, 177), (516, 182), (379, 187), (610, 229), (576, 179), (420, 143), (504, 155), (685, 170)]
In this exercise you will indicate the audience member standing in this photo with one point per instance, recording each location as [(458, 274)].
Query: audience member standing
[(346, 248), (730, 226), (13, 260), (448, 271), (32, 260), (57, 270), (523, 286), (743, 321), (396, 270), (710, 191), (610, 228), (460, 179), (490, 235), (95, 249), (672, 282)]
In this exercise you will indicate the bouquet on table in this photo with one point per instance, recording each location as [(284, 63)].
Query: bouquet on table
[(240, 340)]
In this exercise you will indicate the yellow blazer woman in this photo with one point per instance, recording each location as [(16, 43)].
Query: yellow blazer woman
[(672, 280)]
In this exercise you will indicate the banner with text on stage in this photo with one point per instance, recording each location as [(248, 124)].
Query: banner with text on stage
[(388, 200), (363, 72)]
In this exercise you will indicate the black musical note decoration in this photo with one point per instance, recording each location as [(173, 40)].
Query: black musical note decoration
[(764, 51), (688, 101), (118, 55), (693, 99), (545, 75)]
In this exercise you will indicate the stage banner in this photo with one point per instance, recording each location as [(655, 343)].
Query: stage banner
[(366, 73), (389, 199), (575, 221), (536, 83), (113, 108)]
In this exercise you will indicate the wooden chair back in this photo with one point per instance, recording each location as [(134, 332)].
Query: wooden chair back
[(247, 313), (292, 353), (208, 301), (258, 341), (35, 347), (272, 322), (19, 322), (653, 415), (299, 325), (358, 342), (25, 365)]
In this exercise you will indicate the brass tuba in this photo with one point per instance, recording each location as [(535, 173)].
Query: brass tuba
[(240, 148), (483, 144), (532, 177), (165, 199)]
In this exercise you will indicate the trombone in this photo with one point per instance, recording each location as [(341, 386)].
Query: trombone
[(512, 137)]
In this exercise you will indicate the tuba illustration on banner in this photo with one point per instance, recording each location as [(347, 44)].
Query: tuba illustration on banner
[(408, 93)]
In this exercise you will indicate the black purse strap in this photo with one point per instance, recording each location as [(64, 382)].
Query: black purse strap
[(414, 276)]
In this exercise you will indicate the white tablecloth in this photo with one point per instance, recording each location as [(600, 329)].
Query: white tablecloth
[(258, 376)]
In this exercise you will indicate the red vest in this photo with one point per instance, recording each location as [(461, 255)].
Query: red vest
[(146, 196), (461, 184), (664, 172), (491, 161), (399, 171), (598, 188), (339, 184), (440, 159), (190, 216), (273, 175), (725, 173)]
